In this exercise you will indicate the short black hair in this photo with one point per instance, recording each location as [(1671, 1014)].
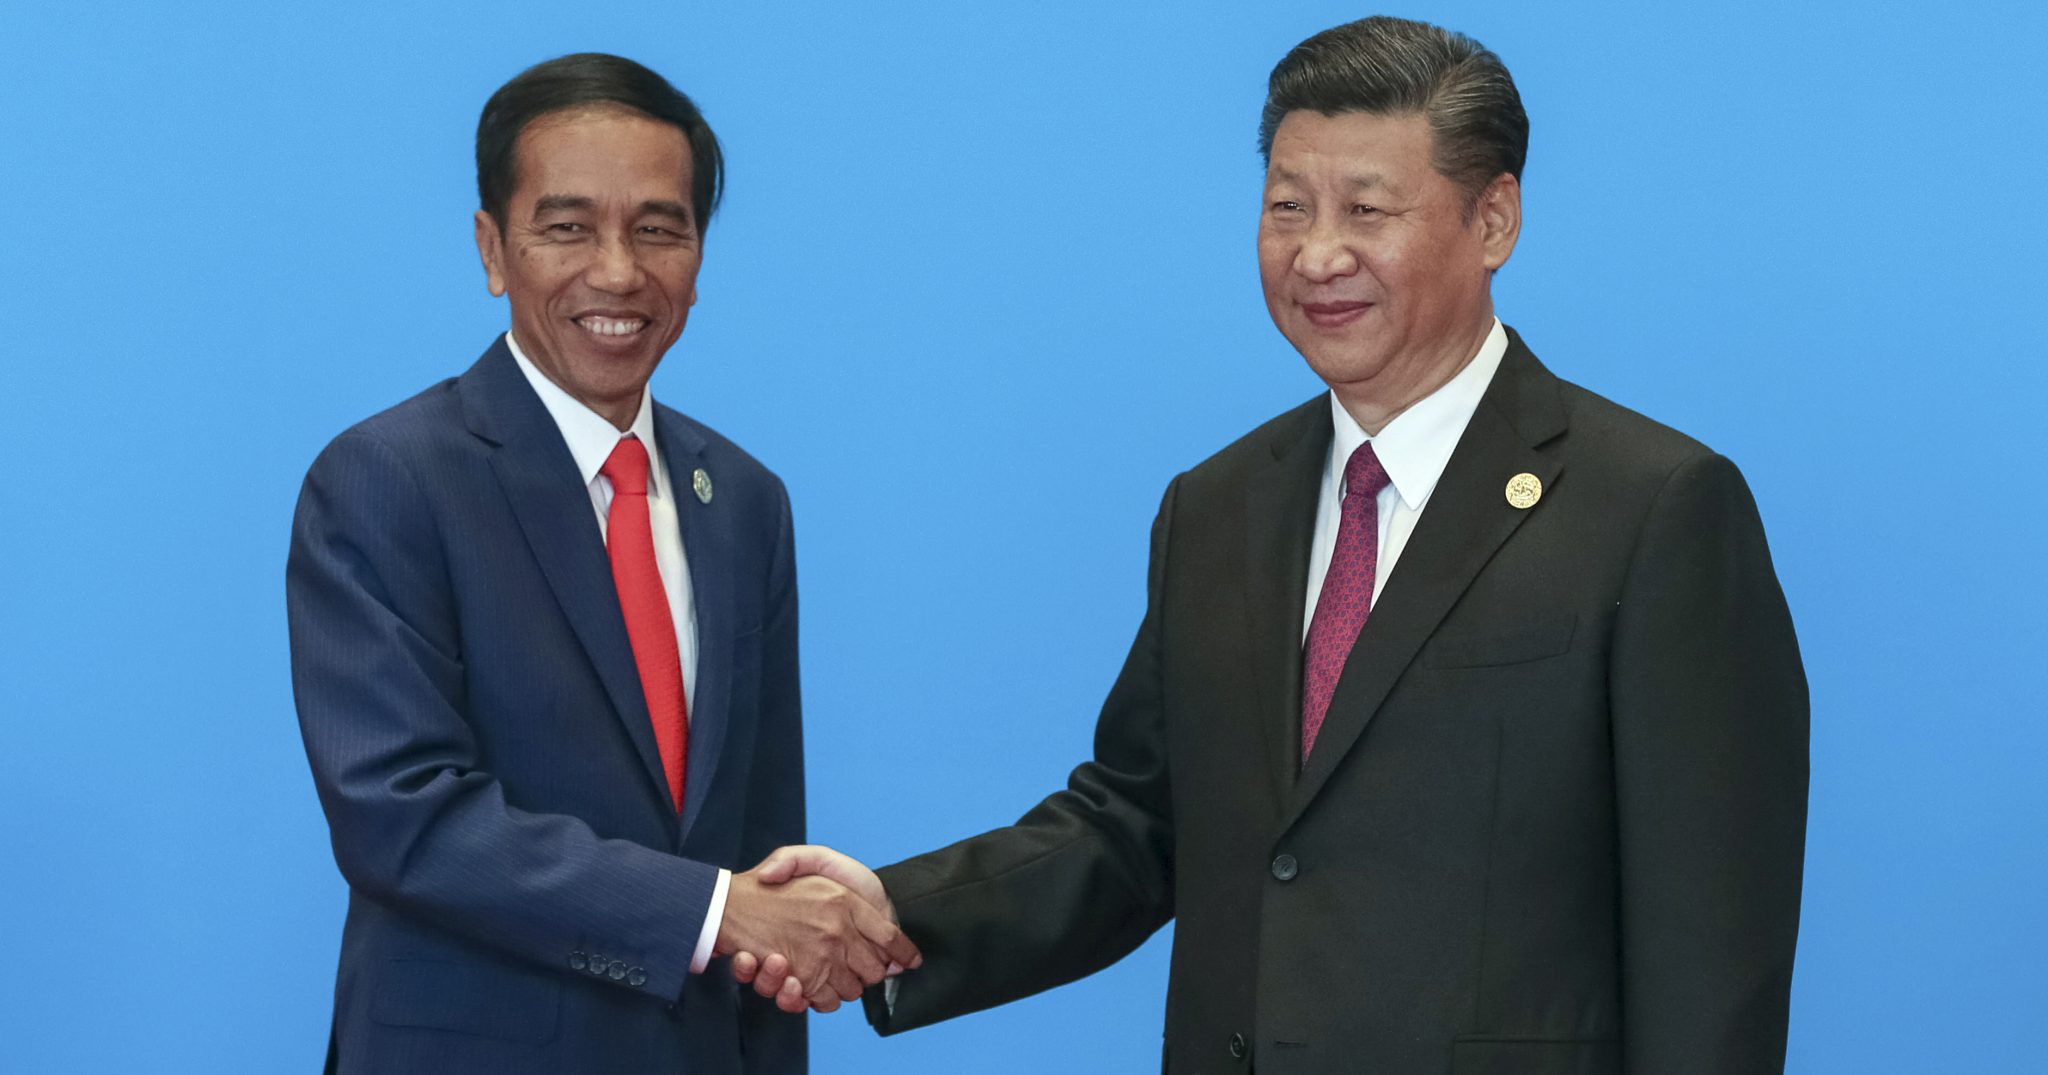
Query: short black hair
[(584, 80), (1389, 66)]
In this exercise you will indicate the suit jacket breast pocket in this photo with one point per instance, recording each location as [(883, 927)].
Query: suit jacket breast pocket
[(507, 1003), (1528, 642)]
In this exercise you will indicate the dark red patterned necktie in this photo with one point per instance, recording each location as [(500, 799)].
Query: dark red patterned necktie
[(1346, 596), (629, 538)]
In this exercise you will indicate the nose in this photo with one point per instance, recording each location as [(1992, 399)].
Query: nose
[(616, 266), (1324, 255)]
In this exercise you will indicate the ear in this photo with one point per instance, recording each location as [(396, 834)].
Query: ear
[(1500, 219), (490, 246)]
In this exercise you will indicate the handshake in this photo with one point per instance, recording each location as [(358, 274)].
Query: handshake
[(811, 927)]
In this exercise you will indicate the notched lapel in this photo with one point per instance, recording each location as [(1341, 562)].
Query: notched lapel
[(707, 532), (539, 478), (1467, 520)]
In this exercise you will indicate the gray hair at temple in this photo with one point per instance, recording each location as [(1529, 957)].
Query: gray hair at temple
[(1388, 66)]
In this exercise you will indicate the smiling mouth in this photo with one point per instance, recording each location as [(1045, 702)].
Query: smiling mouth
[(1334, 314), (612, 326)]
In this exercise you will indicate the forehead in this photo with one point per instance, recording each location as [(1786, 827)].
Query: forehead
[(593, 150), (1352, 145)]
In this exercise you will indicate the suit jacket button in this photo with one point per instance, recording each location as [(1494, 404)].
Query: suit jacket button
[(578, 961), (1284, 868), (636, 977), (1237, 1046)]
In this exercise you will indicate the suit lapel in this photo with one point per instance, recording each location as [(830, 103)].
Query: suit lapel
[(708, 548), (1280, 509), (1465, 522), (539, 477)]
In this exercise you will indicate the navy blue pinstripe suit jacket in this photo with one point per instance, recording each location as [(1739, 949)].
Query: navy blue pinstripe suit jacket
[(522, 895)]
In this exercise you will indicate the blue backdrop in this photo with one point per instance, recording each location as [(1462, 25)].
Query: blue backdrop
[(984, 282)]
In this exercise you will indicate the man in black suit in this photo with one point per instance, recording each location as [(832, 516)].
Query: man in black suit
[(1465, 730)]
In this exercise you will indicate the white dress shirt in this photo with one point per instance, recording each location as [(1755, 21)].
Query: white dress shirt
[(591, 438), (1413, 448)]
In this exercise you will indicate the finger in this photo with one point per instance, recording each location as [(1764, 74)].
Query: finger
[(826, 1004), (886, 935), (781, 864), (804, 860), (790, 1001), (744, 966), (845, 981), (791, 997), (840, 975), (865, 963), (768, 981)]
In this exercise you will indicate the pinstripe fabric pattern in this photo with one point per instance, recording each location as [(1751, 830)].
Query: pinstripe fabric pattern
[(523, 896)]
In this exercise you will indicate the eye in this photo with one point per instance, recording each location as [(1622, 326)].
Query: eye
[(1285, 205), (564, 227), (1363, 210)]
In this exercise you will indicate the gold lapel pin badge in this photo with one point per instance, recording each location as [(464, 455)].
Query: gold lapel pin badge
[(1524, 490)]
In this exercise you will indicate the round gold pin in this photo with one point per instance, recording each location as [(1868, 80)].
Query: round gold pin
[(1524, 490), (701, 482)]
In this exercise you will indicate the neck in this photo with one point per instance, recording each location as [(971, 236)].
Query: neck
[(1376, 402)]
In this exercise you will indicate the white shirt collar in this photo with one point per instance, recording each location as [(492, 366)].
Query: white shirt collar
[(590, 436), (1417, 444)]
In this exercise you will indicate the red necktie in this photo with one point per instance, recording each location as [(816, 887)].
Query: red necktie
[(629, 537), (1347, 591)]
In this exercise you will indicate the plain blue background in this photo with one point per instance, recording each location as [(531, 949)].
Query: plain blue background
[(983, 283)]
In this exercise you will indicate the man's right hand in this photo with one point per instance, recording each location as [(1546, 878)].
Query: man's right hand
[(769, 973), (834, 942)]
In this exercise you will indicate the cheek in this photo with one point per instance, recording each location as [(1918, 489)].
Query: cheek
[(1276, 262), (542, 271)]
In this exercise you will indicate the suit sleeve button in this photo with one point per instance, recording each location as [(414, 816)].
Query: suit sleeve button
[(1284, 868), (1237, 1046), (578, 961), (598, 964), (636, 977), (617, 971)]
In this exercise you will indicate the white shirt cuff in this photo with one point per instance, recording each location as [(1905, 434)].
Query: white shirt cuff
[(714, 916)]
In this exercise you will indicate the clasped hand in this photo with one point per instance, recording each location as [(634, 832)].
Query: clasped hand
[(811, 927)]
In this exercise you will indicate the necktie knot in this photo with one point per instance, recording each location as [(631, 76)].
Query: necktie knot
[(626, 468), (1363, 474)]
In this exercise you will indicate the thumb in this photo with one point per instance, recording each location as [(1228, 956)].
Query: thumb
[(787, 863)]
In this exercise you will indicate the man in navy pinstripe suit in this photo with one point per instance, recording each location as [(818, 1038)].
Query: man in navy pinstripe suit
[(539, 840)]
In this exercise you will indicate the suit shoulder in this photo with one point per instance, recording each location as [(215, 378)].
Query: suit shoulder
[(1256, 449), (1619, 436), (734, 460), (431, 414), (424, 426)]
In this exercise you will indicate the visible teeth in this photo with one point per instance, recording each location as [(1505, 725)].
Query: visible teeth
[(611, 326)]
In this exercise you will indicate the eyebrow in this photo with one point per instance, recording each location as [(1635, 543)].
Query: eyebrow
[(667, 208), (572, 203), (561, 203)]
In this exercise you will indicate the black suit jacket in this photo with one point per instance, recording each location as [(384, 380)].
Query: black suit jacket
[(522, 894), (1555, 819)]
